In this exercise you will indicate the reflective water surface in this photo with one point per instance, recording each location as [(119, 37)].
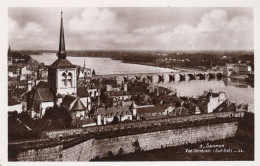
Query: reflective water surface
[(236, 91)]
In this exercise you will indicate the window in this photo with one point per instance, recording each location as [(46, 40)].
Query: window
[(69, 79), (63, 79)]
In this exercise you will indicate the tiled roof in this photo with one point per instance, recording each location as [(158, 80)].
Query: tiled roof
[(121, 93), (87, 121), (169, 99), (45, 94), (62, 63), (212, 94), (42, 84), (82, 92), (59, 96), (78, 106), (112, 110), (68, 99), (12, 101), (159, 108), (19, 91)]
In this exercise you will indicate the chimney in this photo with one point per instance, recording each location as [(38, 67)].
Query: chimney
[(98, 100), (29, 86), (125, 87), (99, 122)]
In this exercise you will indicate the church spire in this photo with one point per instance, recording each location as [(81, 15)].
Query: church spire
[(62, 52)]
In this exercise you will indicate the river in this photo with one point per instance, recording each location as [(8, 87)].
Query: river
[(236, 91)]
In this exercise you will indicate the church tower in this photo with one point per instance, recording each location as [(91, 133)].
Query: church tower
[(62, 73)]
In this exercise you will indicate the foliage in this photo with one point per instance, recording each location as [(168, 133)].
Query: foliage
[(110, 154), (137, 146), (120, 152), (115, 120), (59, 114)]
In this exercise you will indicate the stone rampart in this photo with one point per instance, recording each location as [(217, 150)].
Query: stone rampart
[(139, 124), (92, 147)]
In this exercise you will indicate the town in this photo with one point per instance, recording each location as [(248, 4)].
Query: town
[(63, 96), (160, 85)]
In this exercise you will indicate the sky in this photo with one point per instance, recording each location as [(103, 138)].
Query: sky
[(134, 28)]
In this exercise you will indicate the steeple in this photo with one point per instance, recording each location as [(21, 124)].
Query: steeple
[(9, 50), (62, 52)]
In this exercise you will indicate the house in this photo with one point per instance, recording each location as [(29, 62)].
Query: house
[(106, 115), (88, 122), (84, 72), (180, 111), (14, 105), (237, 69), (84, 96), (154, 112), (168, 99), (121, 95), (75, 106), (43, 99), (208, 102)]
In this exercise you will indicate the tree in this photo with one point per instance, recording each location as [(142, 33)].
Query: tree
[(120, 152), (59, 114), (115, 120), (137, 146)]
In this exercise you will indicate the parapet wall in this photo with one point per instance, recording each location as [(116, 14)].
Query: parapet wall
[(139, 124), (92, 148), (100, 146)]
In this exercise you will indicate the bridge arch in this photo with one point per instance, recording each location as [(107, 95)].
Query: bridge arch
[(125, 79), (192, 76), (182, 77), (131, 78), (171, 77), (160, 77), (211, 75), (200, 76), (219, 75)]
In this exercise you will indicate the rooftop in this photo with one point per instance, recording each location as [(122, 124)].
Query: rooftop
[(12, 101), (112, 110), (78, 106), (154, 109), (62, 63)]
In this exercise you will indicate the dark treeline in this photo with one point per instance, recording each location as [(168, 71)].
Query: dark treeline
[(206, 59)]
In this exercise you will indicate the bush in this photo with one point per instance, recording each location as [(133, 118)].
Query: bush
[(60, 115), (137, 146), (110, 154), (120, 152)]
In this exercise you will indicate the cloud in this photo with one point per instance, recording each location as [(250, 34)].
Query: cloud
[(214, 31), (31, 35), (114, 28), (32, 28), (213, 21), (96, 20)]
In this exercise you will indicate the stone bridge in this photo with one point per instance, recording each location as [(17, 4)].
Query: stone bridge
[(164, 76)]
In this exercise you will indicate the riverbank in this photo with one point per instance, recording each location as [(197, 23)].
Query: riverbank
[(244, 78), (158, 65)]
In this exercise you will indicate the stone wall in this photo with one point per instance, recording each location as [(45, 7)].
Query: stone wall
[(93, 147), (139, 124)]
